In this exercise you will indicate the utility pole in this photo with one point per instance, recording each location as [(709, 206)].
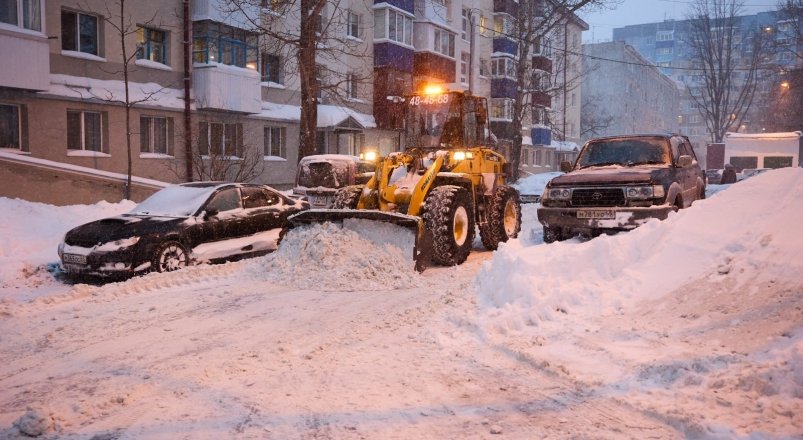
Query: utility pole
[(187, 87)]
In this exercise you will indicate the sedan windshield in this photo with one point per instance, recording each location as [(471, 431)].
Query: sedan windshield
[(624, 152), (174, 201)]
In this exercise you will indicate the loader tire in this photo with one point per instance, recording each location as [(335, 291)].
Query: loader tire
[(347, 197), (504, 218), (449, 216)]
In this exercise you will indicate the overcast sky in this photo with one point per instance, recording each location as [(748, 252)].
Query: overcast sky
[(601, 23)]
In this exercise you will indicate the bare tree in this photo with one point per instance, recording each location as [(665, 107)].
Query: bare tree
[(317, 38), (124, 26), (787, 92), (730, 62), (536, 21), (594, 119), (221, 152)]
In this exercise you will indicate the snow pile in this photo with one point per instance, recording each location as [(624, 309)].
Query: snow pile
[(29, 237), (536, 183), (329, 257), (760, 239)]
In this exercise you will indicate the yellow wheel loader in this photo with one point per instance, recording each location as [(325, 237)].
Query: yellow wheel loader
[(433, 195)]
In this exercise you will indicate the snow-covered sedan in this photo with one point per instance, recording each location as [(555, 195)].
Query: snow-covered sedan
[(181, 225)]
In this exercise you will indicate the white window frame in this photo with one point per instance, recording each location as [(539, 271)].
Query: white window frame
[(465, 61), (351, 86), (353, 25), (403, 35), (31, 18), (443, 38), (275, 151), (151, 135), (503, 67), (77, 30), (502, 109), (83, 129)]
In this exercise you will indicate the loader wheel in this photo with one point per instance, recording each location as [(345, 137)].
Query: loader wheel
[(449, 216), (347, 197), (504, 218)]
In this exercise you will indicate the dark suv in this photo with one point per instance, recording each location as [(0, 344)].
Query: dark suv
[(618, 183)]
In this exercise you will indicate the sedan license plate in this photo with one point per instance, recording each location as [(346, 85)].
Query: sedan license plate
[(596, 214), (318, 200), (73, 258)]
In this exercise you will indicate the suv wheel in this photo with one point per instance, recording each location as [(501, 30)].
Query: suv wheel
[(552, 235)]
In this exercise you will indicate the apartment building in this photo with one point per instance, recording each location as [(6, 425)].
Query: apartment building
[(551, 123), (666, 45), (66, 103), (628, 92)]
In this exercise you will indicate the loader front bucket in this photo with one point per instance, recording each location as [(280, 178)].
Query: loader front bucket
[(405, 232)]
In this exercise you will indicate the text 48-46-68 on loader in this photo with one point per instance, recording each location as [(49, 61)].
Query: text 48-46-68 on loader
[(445, 183)]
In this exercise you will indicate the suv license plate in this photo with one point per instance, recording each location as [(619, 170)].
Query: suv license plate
[(596, 214), (73, 258)]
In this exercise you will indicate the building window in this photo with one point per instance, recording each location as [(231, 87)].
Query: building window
[(79, 32), (10, 126), (504, 25), (219, 139), (502, 108), (465, 29), (271, 68), (503, 67), (154, 135), (351, 86), (664, 51), (353, 25), (485, 67), (85, 130), (539, 115), (273, 5), (665, 36), (465, 61), (152, 45), (275, 139), (218, 43), (393, 25), (26, 14), (444, 42)]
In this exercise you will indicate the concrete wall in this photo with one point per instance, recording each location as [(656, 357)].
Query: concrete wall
[(62, 187)]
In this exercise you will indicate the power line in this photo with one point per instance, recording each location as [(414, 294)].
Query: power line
[(593, 57)]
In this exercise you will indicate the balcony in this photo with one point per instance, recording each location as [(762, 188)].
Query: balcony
[(541, 99), (541, 62), (26, 59), (224, 87), (219, 11)]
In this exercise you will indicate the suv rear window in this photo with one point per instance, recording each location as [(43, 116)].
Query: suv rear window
[(328, 174), (625, 152)]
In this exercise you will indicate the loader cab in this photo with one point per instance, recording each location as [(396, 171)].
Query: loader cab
[(444, 120)]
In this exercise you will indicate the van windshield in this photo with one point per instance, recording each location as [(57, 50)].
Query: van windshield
[(327, 174)]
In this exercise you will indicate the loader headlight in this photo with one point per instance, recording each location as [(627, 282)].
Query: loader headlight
[(644, 192), (462, 155), (559, 193)]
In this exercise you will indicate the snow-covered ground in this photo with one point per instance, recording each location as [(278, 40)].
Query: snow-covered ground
[(687, 328)]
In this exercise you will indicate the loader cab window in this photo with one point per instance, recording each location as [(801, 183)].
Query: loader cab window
[(433, 120)]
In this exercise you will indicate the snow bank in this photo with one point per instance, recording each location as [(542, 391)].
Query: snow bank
[(536, 183), (751, 228), (328, 257), (29, 236)]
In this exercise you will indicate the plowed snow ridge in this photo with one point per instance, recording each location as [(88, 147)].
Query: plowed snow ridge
[(328, 257)]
